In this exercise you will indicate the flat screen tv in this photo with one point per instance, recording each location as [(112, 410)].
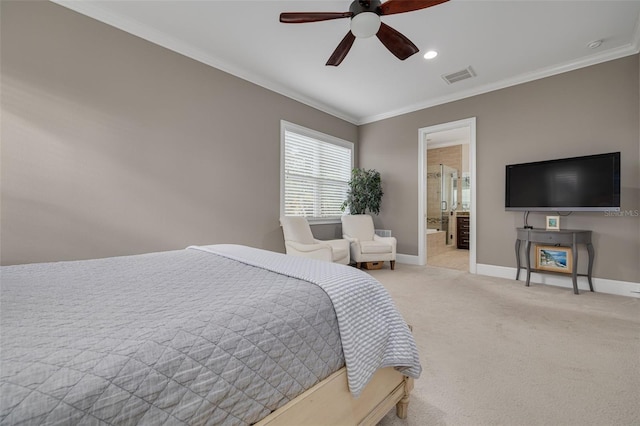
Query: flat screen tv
[(589, 183)]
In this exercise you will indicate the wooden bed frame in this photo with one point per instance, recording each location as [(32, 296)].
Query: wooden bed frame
[(330, 402)]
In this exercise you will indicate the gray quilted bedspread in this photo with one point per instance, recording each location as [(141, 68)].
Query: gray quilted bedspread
[(372, 332), (219, 334), (183, 337)]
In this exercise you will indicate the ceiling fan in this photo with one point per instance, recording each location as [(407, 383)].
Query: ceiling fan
[(365, 22)]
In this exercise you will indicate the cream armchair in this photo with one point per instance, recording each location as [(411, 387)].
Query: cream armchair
[(299, 241), (366, 246)]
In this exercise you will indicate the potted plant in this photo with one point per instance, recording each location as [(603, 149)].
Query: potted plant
[(365, 192)]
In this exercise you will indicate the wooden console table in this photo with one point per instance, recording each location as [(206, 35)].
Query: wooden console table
[(565, 238)]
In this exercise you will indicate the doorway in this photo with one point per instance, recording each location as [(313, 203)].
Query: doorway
[(439, 213)]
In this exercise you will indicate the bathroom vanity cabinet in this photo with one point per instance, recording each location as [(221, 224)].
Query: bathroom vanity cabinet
[(462, 231)]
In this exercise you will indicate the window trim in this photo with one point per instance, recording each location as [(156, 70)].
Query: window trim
[(294, 128)]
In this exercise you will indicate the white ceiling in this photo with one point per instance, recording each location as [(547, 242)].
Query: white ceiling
[(505, 42)]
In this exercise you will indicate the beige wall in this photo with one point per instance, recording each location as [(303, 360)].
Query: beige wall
[(587, 111), (112, 145)]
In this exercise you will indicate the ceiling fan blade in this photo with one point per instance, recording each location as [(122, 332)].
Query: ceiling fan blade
[(397, 44), (304, 17), (341, 51), (391, 7)]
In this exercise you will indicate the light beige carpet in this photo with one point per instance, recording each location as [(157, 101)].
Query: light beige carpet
[(495, 352)]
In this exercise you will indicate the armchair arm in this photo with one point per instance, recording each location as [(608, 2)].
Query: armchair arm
[(354, 247), (334, 243), (387, 240), (313, 251), (308, 248), (350, 239)]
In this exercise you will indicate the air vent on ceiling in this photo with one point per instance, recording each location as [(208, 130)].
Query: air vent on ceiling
[(457, 76)]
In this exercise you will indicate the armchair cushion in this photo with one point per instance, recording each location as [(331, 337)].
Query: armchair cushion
[(358, 226)]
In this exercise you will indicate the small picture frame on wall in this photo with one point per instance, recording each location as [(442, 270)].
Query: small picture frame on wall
[(553, 223), (554, 259)]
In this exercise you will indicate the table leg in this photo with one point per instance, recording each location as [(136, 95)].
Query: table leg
[(574, 269), (517, 259), (591, 256), (528, 260)]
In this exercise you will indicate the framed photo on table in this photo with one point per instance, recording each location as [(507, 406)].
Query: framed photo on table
[(554, 259), (553, 223)]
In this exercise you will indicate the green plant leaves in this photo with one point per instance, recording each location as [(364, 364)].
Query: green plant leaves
[(365, 192)]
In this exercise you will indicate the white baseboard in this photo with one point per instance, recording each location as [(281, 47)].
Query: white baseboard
[(408, 259), (600, 285)]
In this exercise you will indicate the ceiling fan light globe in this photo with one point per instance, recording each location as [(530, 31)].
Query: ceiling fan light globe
[(365, 24)]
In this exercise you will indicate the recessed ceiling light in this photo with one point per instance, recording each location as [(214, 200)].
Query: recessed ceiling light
[(430, 54)]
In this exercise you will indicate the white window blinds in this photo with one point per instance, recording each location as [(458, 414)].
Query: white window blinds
[(316, 171)]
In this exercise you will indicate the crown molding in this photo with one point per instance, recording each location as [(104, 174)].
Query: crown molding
[(94, 11), (609, 55)]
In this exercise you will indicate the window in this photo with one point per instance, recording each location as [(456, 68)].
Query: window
[(315, 172)]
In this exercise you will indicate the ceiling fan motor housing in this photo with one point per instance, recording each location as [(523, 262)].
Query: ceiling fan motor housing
[(365, 19), (359, 6), (365, 22)]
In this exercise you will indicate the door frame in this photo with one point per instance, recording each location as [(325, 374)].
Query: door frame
[(422, 186)]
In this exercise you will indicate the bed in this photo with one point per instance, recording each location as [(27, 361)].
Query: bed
[(221, 334)]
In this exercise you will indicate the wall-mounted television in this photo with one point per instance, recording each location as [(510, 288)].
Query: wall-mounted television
[(588, 183)]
